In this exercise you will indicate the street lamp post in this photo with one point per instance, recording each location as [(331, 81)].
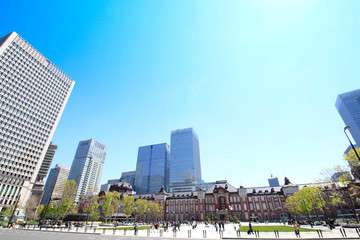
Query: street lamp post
[(13, 212), (346, 128)]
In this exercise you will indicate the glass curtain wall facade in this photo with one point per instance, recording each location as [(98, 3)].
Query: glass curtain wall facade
[(348, 106), (185, 168), (54, 183), (128, 177), (87, 167), (33, 95), (152, 168)]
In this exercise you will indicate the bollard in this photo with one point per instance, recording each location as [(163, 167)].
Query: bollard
[(94, 230), (124, 231), (77, 229), (148, 232), (204, 233), (189, 233), (69, 228), (114, 231), (53, 228), (161, 233), (85, 229), (104, 231)]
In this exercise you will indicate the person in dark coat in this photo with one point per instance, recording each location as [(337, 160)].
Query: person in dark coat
[(250, 228)]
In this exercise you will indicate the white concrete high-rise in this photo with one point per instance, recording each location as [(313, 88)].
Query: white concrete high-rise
[(87, 167), (43, 171), (33, 95)]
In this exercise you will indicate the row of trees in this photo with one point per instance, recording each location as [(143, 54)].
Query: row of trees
[(329, 197), (108, 205), (95, 207), (56, 209)]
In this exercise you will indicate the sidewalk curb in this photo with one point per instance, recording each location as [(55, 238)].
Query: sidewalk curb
[(37, 230), (352, 238)]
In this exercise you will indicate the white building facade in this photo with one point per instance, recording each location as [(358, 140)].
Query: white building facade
[(33, 95), (87, 167)]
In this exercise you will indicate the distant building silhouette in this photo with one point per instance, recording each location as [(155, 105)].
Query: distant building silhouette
[(274, 182), (128, 177)]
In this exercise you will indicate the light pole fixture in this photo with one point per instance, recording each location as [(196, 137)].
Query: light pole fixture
[(352, 145), (13, 212)]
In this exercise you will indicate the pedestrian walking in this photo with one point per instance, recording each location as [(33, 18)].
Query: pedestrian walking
[(250, 229), (296, 229)]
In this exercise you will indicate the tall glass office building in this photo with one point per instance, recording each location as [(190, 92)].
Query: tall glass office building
[(87, 167), (348, 106), (33, 95), (152, 168), (55, 183), (128, 177), (185, 168)]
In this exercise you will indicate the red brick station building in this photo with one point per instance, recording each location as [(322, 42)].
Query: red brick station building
[(220, 201)]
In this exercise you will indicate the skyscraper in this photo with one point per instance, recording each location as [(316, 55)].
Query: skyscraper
[(87, 167), (273, 182), (128, 177), (185, 168), (44, 169), (54, 183), (33, 95), (348, 106), (152, 168)]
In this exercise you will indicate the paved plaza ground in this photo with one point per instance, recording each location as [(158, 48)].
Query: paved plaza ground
[(186, 232)]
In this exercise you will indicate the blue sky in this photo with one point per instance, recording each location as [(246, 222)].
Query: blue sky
[(257, 80)]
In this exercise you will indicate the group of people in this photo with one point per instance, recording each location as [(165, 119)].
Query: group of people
[(23, 224), (155, 226), (219, 226)]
